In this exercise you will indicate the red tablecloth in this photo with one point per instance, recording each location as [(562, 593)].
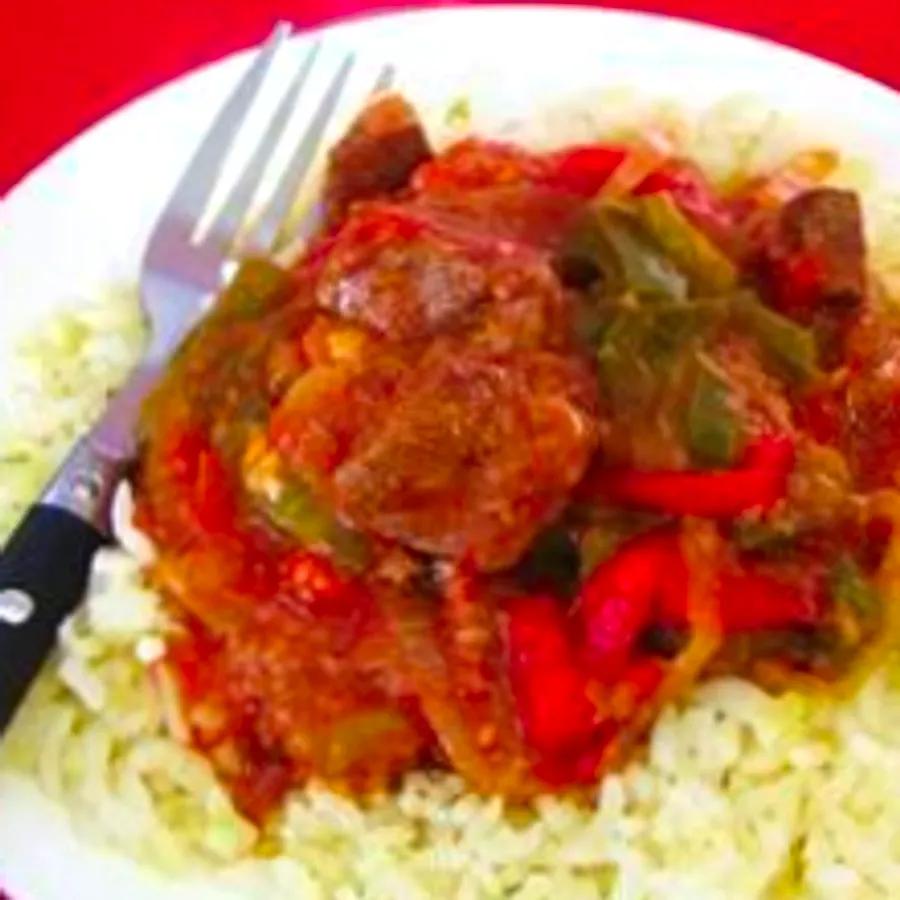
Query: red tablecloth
[(66, 63)]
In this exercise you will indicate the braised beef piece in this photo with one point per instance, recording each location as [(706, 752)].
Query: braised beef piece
[(407, 277), (871, 426), (814, 254), (477, 455), (376, 156), (810, 263), (388, 272)]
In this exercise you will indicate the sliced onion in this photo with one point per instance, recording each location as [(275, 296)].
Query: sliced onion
[(412, 622)]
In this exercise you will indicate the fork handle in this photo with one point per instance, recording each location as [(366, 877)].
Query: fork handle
[(45, 564)]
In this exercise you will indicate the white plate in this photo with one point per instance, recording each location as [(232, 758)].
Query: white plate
[(78, 223)]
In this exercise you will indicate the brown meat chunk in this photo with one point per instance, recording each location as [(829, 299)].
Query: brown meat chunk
[(377, 155), (406, 278), (398, 277), (477, 454), (813, 254), (872, 413)]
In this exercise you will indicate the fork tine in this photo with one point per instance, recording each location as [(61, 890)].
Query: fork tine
[(223, 229), (193, 190), (267, 229), (385, 79)]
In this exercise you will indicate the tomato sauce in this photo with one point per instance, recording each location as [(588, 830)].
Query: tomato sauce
[(504, 464)]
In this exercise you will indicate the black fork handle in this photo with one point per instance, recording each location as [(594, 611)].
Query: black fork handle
[(45, 565)]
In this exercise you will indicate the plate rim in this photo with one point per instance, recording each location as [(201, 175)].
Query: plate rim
[(714, 36)]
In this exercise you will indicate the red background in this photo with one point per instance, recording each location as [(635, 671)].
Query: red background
[(66, 63)]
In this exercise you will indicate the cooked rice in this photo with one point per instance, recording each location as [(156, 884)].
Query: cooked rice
[(741, 794)]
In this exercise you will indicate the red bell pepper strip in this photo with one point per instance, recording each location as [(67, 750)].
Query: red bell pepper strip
[(647, 582), (584, 170), (751, 601), (758, 483), (617, 601), (548, 684)]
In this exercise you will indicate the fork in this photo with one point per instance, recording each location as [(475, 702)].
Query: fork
[(45, 565)]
